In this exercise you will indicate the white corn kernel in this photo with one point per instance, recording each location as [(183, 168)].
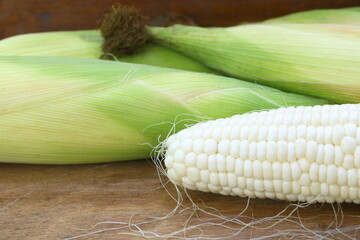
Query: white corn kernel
[(296, 188), (334, 190), (353, 193), (332, 172), (235, 148), (271, 151), (210, 147), (230, 164), (272, 133), (295, 170), (357, 157), (180, 169), (314, 172), (328, 139), (250, 184), (301, 132), (179, 156), (268, 184), (320, 135), (248, 168), (300, 148), (338, 134), (322, 173), (214, 179), (350, 130), (232, 180), (261, 151), (286, 187), (342, 176), (277, 170), (202, 161), (348, 161), (281, 150), (267, 170), (291, 156), (205, 176), (282, 133), (224, 147), (305, 180), (193, 174), (186, 145), (172, 175), (223, 179), (348, 145), (352, 177), (304, 165), (212, 163), (168, 161), (239, 167), (244, 149), (253, 151), (311, 133), (262, 133), (291, 134), (259, 185), (311, 151), (198, 146), (241, 182), (220, 162), (286, 171), (190, 160), (320, 154), (277, 184), (339, 156), (329, 154)]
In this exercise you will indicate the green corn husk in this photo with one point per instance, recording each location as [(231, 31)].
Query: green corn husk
[(334, 16), (87, 44), (72, 110), (321, 60)]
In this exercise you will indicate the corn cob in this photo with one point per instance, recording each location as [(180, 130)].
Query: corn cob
[(298, 154), (87, 44), (73, 110), (321, 60), (334, 16)]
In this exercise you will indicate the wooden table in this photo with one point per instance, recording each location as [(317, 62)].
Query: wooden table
[(60, 202)]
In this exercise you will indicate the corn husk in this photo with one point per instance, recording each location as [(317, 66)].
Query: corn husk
[(335, 16), (321, 60), (87, 44), (72, 110)]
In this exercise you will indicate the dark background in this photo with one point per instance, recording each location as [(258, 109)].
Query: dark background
[(23, 16)]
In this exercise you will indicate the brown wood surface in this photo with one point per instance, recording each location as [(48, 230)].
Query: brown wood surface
[(59, 202), (23, 16)]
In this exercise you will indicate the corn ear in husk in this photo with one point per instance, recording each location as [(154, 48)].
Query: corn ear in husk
[(87, 44), (73, 110), (334, 16), (321, 60)]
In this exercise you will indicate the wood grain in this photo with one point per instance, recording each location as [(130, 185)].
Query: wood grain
[(24, 16), (59, 202)]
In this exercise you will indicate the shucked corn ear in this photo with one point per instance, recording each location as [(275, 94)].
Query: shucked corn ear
[(334, 16), (87, 44), (73, 110), (318, 60), (298, 154)]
